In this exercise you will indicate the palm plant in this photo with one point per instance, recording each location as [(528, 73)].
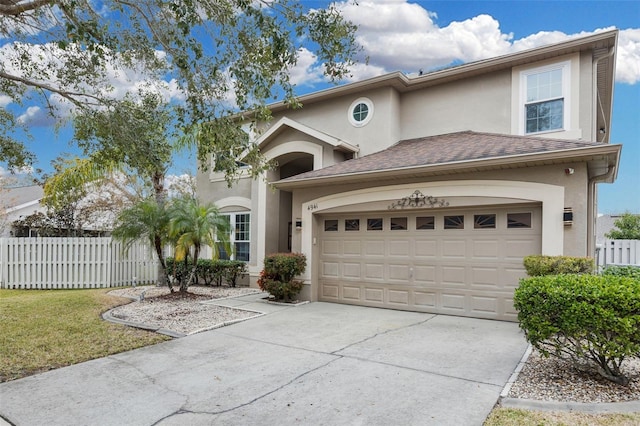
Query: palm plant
[(193, 226), (148, 220)]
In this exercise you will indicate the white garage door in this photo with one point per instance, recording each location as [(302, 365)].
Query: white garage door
[(464, 262)]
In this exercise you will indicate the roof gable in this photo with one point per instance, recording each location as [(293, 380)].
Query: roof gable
[(287, 123)]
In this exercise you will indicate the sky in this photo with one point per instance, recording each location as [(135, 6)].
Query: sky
[(401, 35)]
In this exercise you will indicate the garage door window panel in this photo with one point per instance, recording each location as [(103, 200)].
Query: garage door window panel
[(425, 222), (454, 222), (352, 224), (484, 221), (518, 220), (398, 224), (331, 225), (374, 224)]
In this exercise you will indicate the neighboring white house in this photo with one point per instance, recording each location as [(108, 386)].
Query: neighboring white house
[(424, 193), (18, 203), (604, 224)]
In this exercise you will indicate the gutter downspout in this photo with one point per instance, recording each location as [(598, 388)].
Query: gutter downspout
[(591, 207), (591, 187), (597, 102)]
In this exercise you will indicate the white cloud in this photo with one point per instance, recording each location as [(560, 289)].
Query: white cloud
[(362, 71), (20, 171), (36, 117), (628, 64), (397, 35), (5, 100), (306, 70)]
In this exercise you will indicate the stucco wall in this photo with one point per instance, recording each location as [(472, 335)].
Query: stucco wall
[(481, 104), (333, 118), (210, 192)]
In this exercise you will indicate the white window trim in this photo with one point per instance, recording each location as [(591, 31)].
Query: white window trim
[(565, 67), (232, 234), (352, 107)]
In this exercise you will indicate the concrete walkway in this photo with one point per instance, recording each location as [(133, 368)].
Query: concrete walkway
[(316, 364)]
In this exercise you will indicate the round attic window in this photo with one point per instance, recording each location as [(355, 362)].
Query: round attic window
[(360, 112)]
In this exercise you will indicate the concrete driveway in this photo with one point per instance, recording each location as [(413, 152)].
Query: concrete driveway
[(316, 364)]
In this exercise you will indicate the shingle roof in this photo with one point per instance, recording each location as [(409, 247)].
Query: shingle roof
[(21, 195), (443, 149)]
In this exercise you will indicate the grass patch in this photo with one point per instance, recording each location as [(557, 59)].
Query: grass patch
[(47, 329), (512, 417)]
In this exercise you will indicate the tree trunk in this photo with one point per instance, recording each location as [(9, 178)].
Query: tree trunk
[(192, 275), (158, 190), (162, 265)]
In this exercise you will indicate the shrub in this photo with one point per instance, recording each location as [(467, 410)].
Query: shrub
[(278, 274), (232, 270), (589, 320), (210, 272), (623, 271), (177, 272), (538, 265)]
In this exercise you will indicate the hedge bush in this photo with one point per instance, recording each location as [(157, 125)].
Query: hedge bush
[(278, 274), (177, 272), (539, 265), (623, 271), (210, 272), (589, 320)]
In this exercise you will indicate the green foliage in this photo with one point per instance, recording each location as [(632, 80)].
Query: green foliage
[(285, 266), (147, 220), (67, 185), (278, 274), (12, 151), (210, 272), (216, 272), (55, 223), (193, 226), (281, 291), (627, 228), (209, 52), (177, 271), (623, 271), (233, 270), (131, 134), (539, 265), (590, 320)]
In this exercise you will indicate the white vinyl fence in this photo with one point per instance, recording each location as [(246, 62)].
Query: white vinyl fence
[(619, 252), (59, 263)]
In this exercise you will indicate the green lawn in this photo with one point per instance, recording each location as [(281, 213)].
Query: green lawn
[(511, 417), (45, 329)]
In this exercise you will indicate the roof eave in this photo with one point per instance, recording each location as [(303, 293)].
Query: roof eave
[(401, 82), (612, 152)]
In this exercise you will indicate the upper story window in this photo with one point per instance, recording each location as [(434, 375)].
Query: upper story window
[(360, 112), (544, 92)]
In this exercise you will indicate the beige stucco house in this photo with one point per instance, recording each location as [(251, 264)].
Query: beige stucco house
[(424, 193)]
